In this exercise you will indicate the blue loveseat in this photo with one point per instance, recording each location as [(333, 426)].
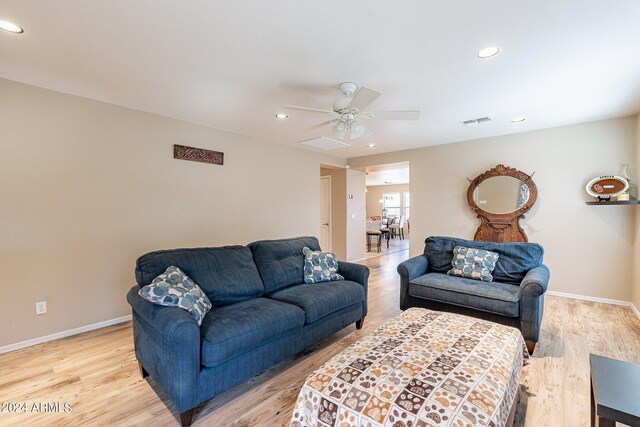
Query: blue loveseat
[(514, 298), (262, 313)]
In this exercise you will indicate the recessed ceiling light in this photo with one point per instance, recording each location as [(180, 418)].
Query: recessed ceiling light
[(371, 145), (517, 120), (282, 116), (12, 28), (488, 52)]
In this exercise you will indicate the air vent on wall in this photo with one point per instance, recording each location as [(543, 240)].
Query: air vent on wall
[(325, 143), (478, 121)]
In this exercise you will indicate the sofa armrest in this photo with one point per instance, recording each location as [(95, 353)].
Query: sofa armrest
[(173, 323), (413, 267), (532, 289), (535, 282), (409, 270), (167, 344), (356, 273)]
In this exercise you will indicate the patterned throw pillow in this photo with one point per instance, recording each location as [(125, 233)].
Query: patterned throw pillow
[(471, 263), (173, 288), (320, 266)]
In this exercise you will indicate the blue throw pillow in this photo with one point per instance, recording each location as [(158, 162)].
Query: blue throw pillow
[(320, 266), (472, 263), (173, 288)]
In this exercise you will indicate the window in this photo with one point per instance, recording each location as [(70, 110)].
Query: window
[(407, 204), (391, 202)]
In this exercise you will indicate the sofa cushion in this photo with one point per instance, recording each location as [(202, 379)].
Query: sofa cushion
[(227, 274), (174, 289), (281, 262), (234, 329), (516, 259), (498, 298), (321, 299)]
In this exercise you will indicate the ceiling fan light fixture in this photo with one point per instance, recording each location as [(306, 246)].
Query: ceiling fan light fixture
[(282, 116), (340, 130), (517, 120), (357, 129), (488, 52), (371, 145)]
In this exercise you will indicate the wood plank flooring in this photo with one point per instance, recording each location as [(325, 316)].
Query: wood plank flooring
[(395, 245), (96, 372)]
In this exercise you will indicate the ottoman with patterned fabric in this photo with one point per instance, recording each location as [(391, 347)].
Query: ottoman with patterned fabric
[(422, 368)]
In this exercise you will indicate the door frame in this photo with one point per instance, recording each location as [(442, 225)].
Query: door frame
[(330, 243)]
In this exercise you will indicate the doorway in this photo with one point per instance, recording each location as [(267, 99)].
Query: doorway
[(388, 197), (325, 213)]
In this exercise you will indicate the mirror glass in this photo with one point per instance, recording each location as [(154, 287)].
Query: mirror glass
[(501, 194)]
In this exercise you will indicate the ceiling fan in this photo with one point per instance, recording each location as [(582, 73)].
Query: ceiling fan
[(350, 112)]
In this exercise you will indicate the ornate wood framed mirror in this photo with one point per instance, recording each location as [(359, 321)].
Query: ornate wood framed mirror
[(500, 197)]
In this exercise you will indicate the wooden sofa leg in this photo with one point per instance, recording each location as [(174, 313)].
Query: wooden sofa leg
[(143, 372), (359, 323), (531, 345), (186, 417)]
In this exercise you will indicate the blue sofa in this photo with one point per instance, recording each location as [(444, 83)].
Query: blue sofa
[(262, 313), (514, 298)]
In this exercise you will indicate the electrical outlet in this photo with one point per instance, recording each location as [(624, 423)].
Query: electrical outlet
[(41, 307)]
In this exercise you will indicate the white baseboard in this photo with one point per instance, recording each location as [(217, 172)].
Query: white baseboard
[(589, 298), (64, 334), (596, 299), (355, 260)]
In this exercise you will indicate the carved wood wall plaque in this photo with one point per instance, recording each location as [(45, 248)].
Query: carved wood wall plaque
[(198, 155), (503, 227)]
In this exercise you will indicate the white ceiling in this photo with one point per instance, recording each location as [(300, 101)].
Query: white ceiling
[(233, 64)]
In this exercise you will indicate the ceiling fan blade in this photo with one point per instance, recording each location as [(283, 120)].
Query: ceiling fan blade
[(394, 115), (316, 110), (323, 124), (363, 97)]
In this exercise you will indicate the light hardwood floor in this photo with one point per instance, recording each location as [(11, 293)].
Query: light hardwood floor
[(395, 245), (97, 374)]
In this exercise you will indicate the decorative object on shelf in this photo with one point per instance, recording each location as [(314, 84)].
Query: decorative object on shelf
[(607, 186), (500, 197), (625, 172), (198, 155)]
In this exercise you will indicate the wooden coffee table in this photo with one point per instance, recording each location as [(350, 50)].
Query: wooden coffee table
[(615, 392)]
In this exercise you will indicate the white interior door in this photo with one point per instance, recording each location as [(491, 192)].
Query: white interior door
[(325, 213)]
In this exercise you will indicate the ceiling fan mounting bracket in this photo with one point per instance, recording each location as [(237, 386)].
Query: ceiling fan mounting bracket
[(348, 88)]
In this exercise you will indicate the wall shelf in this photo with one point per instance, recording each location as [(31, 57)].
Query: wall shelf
[(632, 201)]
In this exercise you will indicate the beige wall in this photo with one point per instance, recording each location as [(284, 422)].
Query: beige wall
[(588, 248), (356, 214), (87, 187), (375, 192), (635, 285), (338, 210)]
